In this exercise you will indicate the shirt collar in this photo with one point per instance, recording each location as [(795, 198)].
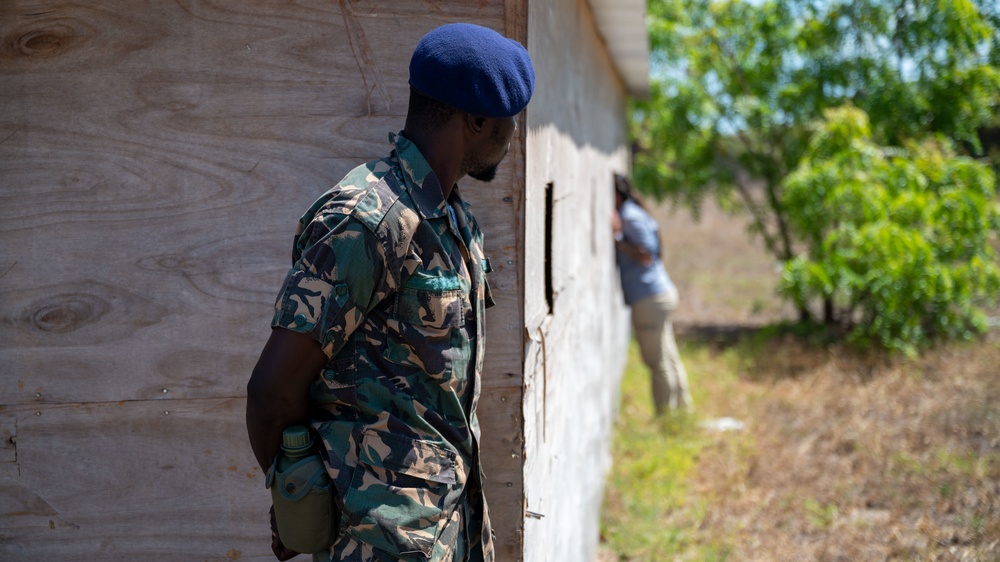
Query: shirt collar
[(423, 185)]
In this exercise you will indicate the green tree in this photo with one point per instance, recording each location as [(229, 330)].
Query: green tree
[(906, 255), (736, 85)]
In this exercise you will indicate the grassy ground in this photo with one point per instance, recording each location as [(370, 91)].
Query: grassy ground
[(843, 456)]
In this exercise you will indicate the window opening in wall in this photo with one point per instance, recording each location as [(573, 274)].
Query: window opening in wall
[(549, 292)]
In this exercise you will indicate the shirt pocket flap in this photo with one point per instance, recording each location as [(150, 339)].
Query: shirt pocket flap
[(412, 457), (437, 282)]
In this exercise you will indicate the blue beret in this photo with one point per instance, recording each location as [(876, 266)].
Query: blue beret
[(474, 69)]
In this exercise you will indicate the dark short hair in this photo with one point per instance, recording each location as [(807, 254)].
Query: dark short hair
[(622, 187), (429, 112)]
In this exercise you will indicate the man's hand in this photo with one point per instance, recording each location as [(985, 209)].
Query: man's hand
[(616, 222), (635, 252), (279, 549)]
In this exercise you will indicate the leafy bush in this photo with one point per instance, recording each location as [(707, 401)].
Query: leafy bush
[(897, 241)]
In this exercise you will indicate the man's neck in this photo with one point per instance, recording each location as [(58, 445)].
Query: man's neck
[(442, 151)]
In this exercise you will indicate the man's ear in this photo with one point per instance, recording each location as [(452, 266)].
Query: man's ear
[(475, 122)]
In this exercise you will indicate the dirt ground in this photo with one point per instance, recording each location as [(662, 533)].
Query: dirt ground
[(845, 457)]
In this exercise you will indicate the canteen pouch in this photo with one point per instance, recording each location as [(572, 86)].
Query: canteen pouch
[(304, 509)]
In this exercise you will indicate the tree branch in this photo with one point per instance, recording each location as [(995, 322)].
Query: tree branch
[(758, 217)]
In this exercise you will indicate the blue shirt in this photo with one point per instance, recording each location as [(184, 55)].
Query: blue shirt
[(641, 281)]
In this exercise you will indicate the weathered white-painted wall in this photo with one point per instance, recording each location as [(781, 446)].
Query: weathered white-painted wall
[(574, 352)]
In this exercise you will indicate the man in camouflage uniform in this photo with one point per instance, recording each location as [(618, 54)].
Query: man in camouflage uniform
[(377, 339)]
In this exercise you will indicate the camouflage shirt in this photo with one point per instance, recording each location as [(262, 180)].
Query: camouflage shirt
[(390, 279)]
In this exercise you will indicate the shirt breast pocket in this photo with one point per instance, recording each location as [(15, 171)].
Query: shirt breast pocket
[(424, 330), (429, 309), (431, 299)]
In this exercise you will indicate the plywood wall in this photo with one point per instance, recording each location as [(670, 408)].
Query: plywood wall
[(154, 157), (576, 334)]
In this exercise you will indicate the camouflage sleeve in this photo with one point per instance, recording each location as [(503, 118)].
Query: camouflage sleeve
[(339, 277)]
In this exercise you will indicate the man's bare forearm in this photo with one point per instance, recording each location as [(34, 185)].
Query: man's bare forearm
[(278, 391), (635, 252)]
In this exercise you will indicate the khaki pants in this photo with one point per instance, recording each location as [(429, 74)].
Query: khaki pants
[(655, 333)]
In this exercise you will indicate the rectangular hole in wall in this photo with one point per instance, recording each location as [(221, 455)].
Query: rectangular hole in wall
[(549, 292)]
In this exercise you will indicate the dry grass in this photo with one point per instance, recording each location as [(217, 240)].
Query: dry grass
[(850, 458), (844, 456)]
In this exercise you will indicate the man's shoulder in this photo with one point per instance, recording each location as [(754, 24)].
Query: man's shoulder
[(633, 213), (630, 207), (365, 193), (344, 197), (375, 195)]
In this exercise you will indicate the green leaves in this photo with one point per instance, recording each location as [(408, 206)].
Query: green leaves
[(900, 88), (898, 240)]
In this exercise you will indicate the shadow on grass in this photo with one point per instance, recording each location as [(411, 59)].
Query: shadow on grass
[(787, 349)]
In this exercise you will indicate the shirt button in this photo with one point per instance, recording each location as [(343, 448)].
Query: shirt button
[(300, 319), (341, 290)]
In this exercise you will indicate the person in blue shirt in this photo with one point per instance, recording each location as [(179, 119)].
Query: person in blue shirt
[(652, 297)]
